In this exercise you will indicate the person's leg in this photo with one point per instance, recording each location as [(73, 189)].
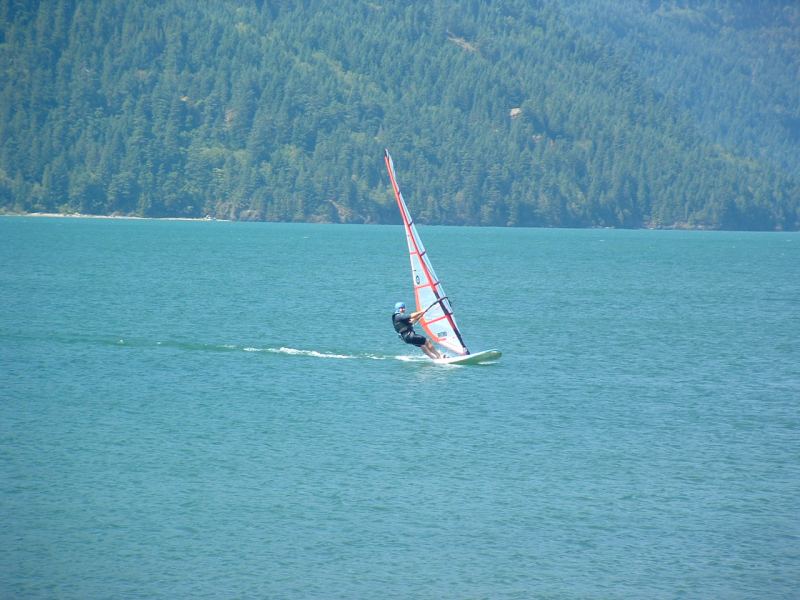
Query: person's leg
[(431, 350), (424, 345)]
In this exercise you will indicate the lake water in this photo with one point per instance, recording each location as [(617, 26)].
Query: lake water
[(222, 410)]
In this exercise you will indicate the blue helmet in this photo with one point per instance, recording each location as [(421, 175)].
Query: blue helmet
[(398, 306)]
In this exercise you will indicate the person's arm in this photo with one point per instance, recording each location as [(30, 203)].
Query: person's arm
[(416, 316)]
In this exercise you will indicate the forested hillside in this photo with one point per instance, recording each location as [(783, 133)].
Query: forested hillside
[(519, 113)]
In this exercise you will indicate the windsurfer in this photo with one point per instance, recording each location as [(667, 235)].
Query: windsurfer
[(404, 326)]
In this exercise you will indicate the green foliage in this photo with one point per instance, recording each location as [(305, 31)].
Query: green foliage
[(520, 113)]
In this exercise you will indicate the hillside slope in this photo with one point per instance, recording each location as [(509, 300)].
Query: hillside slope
[(520, 114)]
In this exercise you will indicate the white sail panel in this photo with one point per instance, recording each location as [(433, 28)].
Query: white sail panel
[(438, 321)]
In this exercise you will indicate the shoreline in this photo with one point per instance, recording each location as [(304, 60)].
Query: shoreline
[(209, 219), (122, 217)]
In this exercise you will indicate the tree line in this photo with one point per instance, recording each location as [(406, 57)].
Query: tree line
[(513, 114)]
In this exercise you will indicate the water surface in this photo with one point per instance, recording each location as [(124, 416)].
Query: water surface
[(192, 409)]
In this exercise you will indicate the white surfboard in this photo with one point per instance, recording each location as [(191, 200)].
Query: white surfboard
[(438, 321), (479, 358)]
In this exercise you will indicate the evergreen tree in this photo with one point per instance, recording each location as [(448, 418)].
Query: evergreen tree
[(524, 113)]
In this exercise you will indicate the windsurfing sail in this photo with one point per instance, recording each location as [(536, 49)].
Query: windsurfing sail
[(438, 321)]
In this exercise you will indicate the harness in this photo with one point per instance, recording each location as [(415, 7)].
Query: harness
[(402, 327)]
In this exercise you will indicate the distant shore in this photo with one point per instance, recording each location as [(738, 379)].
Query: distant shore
[(646, 226), (126, 217)]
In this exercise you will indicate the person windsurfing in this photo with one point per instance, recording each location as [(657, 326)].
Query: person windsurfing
[(404, 326)]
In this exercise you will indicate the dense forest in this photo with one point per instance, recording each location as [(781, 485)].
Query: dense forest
[(623, 113)]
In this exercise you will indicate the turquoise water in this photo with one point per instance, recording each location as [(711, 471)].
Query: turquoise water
[(222, 410)]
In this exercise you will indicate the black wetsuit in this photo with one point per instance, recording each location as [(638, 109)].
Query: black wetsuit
[(403, 327)]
